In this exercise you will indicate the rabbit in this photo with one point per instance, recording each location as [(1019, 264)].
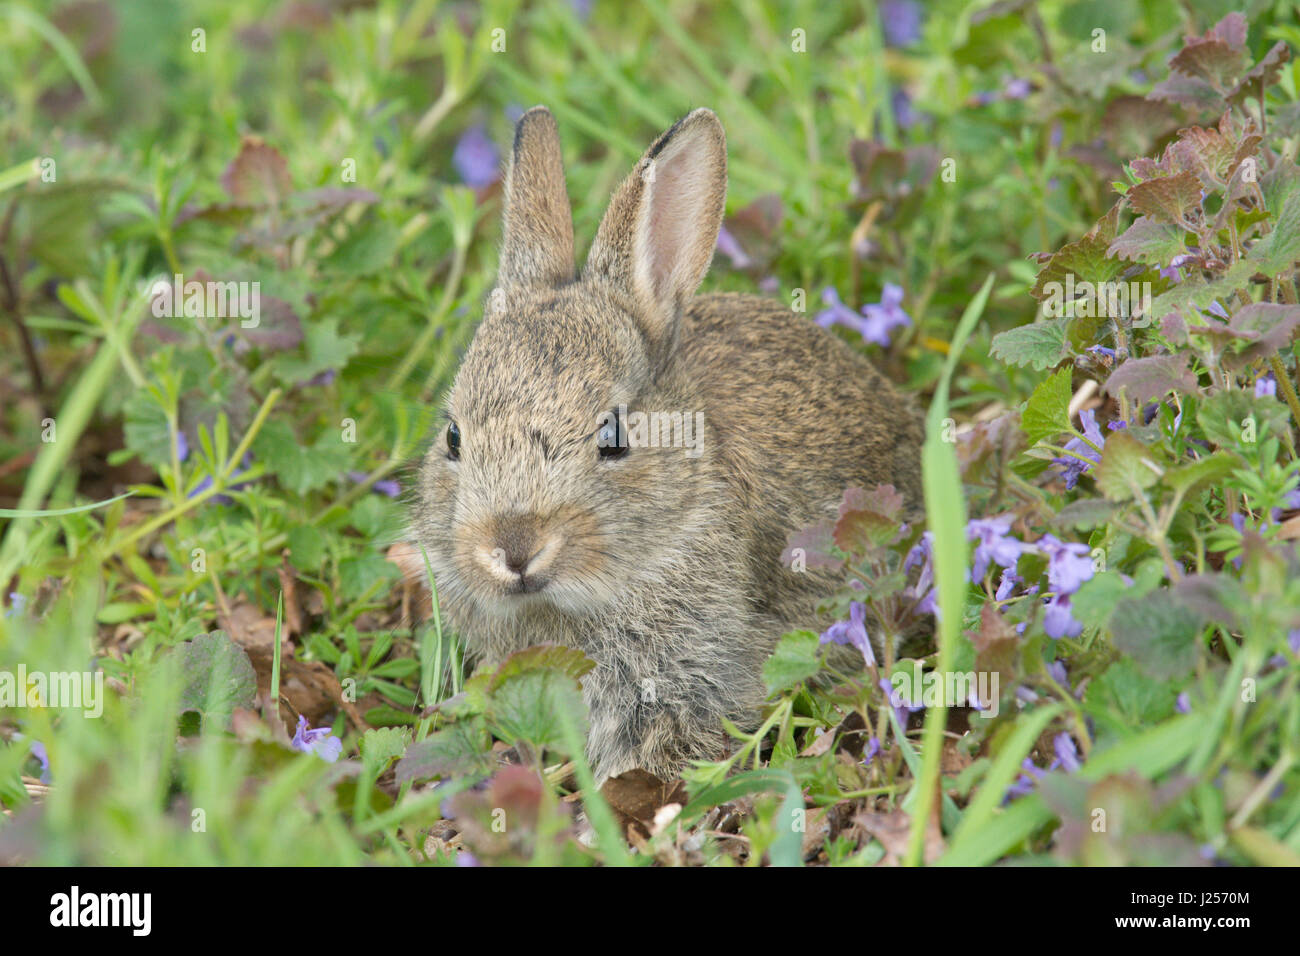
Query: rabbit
[(543, 523)]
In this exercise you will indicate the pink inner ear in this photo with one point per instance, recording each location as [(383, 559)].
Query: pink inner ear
[(675, 225)]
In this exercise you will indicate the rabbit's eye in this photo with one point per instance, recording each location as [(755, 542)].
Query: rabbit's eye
[(607, 438), (453, 441)]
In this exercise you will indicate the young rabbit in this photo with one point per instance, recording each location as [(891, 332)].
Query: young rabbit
[(548, 518)]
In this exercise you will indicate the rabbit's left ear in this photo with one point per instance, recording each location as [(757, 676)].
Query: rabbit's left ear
[(537, 248), (658, 235)]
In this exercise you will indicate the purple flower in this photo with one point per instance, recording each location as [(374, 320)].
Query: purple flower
[(1058, 622), (1057, 671), (852, 632), (581, 9), (992, 544), (1068, 564), (873, 750), (1266, 385), (319, 740), (38, 751), (1072, 467), (17, 604), (466, 858), (837, 312), (1006, 584), (1217, 309), (901, 22), (924, 588), (386, 486), (901, 104), (1016, 89), (1293, 642), (1183, 704), (730, 248), (881, 318), (182, 446), (1066, 753), (902, 706), (476, 158), (206, 483), (878, 319)]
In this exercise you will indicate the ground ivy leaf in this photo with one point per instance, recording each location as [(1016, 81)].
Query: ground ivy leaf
[(1149, 240), (796, 658), (1123, 699), (1088, 259), (218, 677), (326, 350), (1127, 467), (1168, 199), (1038, 345), (1152, 377), (1047, 413), (1160, 633)]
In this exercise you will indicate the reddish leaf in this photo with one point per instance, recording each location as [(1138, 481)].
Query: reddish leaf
[(1151, 377), (258, 175)]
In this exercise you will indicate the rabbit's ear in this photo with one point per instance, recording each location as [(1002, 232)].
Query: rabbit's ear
[(537, 248), (658, 235)]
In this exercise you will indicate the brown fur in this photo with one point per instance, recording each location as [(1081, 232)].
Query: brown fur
[(662, 567)]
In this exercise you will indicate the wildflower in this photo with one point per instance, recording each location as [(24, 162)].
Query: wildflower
[(1066, 753), (385, 486), (902, 706), (993, 544), (182, 446), (1183, 704), (878, 319), (1071, 465), (900, 21), (730, 248), (1266, 386), (884, 316), (476, 158), (1216, 308), (17, 604), (1058, 622), (873, 750), (852, 632), (1006, 584), (924, 588), (1068, 564), (319, 741)]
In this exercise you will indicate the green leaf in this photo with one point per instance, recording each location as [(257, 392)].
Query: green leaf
[(1047, 413), (1085, 514), (1223, 416), (566, 660), (298, 468), (366, 250), (146, 430), (1208, 470), (1088, 259), (218, 678), (461, 750), (381, 745), (1148, 240), (359, 573), (1038, 345), (1095, 600), (983, 807), (1124, 700), (1152, 377), (1160, 633), (306, 547), (531, 707), (326, 349), (1150, 753), (1127, 467), (796, 658)]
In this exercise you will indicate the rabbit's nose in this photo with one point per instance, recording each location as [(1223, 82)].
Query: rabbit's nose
[(516, 538)]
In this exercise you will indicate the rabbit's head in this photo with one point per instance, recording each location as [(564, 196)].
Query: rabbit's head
[(530, 495)]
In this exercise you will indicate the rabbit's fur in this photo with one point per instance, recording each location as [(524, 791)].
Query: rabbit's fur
[(662, 567)]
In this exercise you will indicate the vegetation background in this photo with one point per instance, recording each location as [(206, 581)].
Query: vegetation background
[(253, 603)]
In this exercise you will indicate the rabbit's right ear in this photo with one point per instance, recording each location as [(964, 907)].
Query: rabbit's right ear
[(537, 248), (657, 238)]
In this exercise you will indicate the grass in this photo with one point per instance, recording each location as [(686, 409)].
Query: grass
[(213, 517)]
